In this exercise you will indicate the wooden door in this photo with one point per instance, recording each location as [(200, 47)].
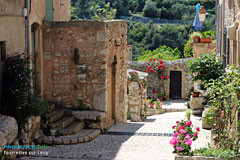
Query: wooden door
[(175, 84)]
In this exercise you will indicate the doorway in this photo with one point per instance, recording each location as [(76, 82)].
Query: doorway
[(175, 84), (114, 89)]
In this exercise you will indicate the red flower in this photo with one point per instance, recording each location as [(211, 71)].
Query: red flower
[(151, 70), (156, 72), (149, 67), (145, 70), (160, 61), (173, 127), (167, 77), (162, 77), (198, 129)]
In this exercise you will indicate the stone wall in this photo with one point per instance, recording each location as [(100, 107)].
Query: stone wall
[(164, 85), (31, 131), (199, 48), (99, 78), (137, 95), (8, 133)]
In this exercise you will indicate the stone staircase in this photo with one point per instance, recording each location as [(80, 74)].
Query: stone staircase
[(64, 128)]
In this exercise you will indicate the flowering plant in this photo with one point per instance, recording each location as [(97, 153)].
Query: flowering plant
[(157, 67), (183, 136), (134, 75)]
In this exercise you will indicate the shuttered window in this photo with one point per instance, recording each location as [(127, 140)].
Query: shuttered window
[(49, 10)]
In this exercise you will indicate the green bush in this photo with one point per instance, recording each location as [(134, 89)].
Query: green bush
[(206, 68), (208, 34), (150, 9), (188, 49), (17, 100), (163, 52), (209, 152)]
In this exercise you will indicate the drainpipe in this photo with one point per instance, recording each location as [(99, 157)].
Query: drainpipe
[(27, 33)]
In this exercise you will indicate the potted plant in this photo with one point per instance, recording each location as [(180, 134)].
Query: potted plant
[(195, 94), (188, 113), (151, 104), (207, 37), (195, 36), (134, 75), (158, 104), (161, 96)]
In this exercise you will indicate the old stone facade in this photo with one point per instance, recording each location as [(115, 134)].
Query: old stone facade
[(228, 30), (137, 96), (15, 36), (199, 48), (97, 75), (154, 83)]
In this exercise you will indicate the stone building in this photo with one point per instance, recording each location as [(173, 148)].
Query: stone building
[(71, 60), (21, 29), (228, 30), (87, 60), (178, 86)]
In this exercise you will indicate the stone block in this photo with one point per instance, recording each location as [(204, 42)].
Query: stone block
[(89, 115), (99, 100), (66, 141), (196, 102)]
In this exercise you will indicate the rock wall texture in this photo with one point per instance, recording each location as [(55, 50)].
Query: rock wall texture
[(8, 131), (199, 48), (137, 95), (98, 76), (155, 83)]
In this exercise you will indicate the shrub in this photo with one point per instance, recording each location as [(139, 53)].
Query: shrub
[(183, 136), (163, 52), (188, 49), (205, 68), (208, 34), (17, 99), (210, 152)]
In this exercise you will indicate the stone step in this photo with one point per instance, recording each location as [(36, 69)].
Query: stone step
[(72, 128), (85, 135), (62, 123), (57, 114)]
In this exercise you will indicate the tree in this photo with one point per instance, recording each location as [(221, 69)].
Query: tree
[(150, 9)]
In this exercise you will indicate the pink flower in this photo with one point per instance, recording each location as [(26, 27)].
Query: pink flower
[(179, 127), (187, 136), (182, 131), (189, 123), (198, 129), (177, 121), (189, 142), (185, 141), (167, 77), (161, 77), (173, 141), (195, 134), (183, 127), (175, 134), (173, 127), (179, 148), (149, 67)]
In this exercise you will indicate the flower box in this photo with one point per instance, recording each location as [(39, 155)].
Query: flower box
[(205, 40)]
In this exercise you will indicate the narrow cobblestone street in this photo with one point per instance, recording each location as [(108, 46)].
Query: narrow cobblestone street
[(148, 140)]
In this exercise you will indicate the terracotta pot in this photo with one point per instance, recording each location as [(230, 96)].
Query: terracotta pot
[(196, 39), (151, 105), (161, 98), (206, 40), (195, 95), (189, 117)]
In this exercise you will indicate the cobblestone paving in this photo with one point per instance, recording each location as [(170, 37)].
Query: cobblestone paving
[(142, 146)]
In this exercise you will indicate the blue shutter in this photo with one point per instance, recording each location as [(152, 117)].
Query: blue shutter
[(49, 10)]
